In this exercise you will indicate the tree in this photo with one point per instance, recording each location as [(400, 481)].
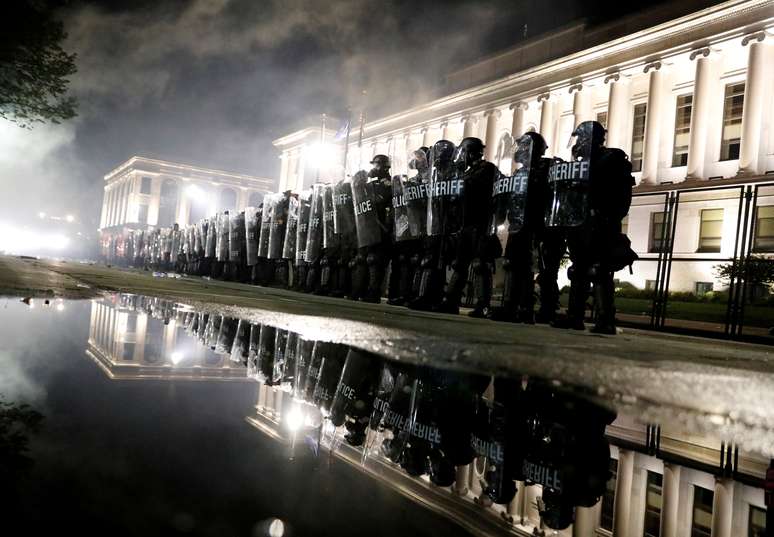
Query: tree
[(33, 65), (755, 270)]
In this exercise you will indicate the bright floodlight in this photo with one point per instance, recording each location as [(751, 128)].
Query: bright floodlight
[(321, 155), (70, 218), (176, 357), (196, 193), (60, 307), (295, 419), (41, 214)]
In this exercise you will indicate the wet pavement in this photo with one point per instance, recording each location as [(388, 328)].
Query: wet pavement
[(166, 418)]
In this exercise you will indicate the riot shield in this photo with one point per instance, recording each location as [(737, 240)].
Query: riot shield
[(304, 352), (266, 214), (240, 348), (251, 236), (226, 335), (236, 236), (289, 366), (266, 354), (445, 190), (356, 392), (569, 185), (344, 214), (330, 239), (252, 351), (509, 194), (212, 237), (330, 372), (319, 351), (409, 202), (222, 246), (291, 230), (302, 229), (314, 235), (280, 349), (279, 220), (367, 226)]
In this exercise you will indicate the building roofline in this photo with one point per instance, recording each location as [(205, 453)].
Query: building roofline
[(637, 40), (182, 166)]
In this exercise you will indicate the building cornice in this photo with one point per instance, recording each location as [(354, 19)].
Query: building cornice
[(160, 166)]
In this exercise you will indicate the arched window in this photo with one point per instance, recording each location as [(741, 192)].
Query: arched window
[(255, 200), (167, 203), (228, 197)]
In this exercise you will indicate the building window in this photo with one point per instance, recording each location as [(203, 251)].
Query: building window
[(710, 231), (142, 214), (702, 288), (650, 285), (652, 506), (145, 185), (702, 512), (625, 225), (764, 229), (756, 527), (167, 203), (682, 130), (732, 121), (656, 232), (638, 136), (602, 118), (608, 499)]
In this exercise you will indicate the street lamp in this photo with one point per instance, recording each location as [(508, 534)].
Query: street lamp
[(70, 218)]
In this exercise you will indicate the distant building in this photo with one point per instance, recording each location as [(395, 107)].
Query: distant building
[(685, 98), (145, 193)]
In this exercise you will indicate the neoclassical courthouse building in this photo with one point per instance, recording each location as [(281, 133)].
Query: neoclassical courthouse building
[(144, 192), (690, 100)]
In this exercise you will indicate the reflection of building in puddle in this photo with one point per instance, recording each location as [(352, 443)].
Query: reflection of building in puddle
[(134, 337)]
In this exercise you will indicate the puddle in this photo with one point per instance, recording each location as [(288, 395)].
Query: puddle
[(146, 416)]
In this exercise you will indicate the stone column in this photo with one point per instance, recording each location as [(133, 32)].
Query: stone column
[(617, 110), (468, 122), (283, 179), (585, 524), (547, 121), (702, 91), (462, 476), (444, 130), (722, 507), (517, 123), (670, 500), (650, 152), (277, 403), (425, 131), (491, 134), (623, 493), (752, 113), (531, 514), (581, 104)]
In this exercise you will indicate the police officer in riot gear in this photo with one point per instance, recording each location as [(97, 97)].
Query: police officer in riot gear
[(594, 236), (431, 273), (472, 243), (522, 210)]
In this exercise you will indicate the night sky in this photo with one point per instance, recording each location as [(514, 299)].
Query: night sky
[(212, 82)]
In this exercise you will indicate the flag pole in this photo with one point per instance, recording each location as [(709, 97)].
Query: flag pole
[(322, 142), (346, 139)]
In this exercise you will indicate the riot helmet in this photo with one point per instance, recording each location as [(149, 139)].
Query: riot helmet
[(588, 134), (381, 166), (529, 145), (470, 151), (442, 153)]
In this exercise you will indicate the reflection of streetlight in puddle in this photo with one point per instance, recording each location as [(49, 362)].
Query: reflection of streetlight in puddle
[(295, 419), (176, 357), (60, 307)]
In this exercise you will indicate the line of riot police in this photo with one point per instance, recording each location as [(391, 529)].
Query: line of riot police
[(438, 230), (426, 421)]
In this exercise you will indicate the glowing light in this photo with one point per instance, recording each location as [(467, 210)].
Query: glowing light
[(41, 214), (60, 307), (196, 193), (70, 218), (321, 155), (276, 528), (295, 419), (19, 240), (176, 357)]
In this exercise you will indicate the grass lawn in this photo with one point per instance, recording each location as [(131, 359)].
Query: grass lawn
[(713, 312)]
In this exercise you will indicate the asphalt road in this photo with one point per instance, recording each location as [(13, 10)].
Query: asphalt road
[(721, 389)]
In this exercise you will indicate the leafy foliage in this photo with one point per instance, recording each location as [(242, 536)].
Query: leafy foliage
[(755, 270), (34, 68)]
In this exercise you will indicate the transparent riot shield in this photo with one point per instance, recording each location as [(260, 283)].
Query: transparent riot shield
[(344, 214), (291, 231), (509, 194), (289, 367), (251, 236), (266, 354), (240, 348), (236, 237), (367, 226), (331, 365), (279, 221), (355, 394), (222, 246), (212, 238), (569, 185), (304, 351), (409, 202), (330, 239), (266, 214), (446, 187), (280, 348), (314, 238), (302, 230)]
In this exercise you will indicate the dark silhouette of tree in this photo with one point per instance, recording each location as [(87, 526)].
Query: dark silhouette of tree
[(33, 65), (17, 423), (755, 270)]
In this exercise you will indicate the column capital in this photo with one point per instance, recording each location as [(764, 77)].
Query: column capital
[(757, 36), (613, 77), (423, 129), (575, 87), (444, 123), (703, 52), (652, 66), (494, 112), (543, 97), (519, 105), (468, 117)]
